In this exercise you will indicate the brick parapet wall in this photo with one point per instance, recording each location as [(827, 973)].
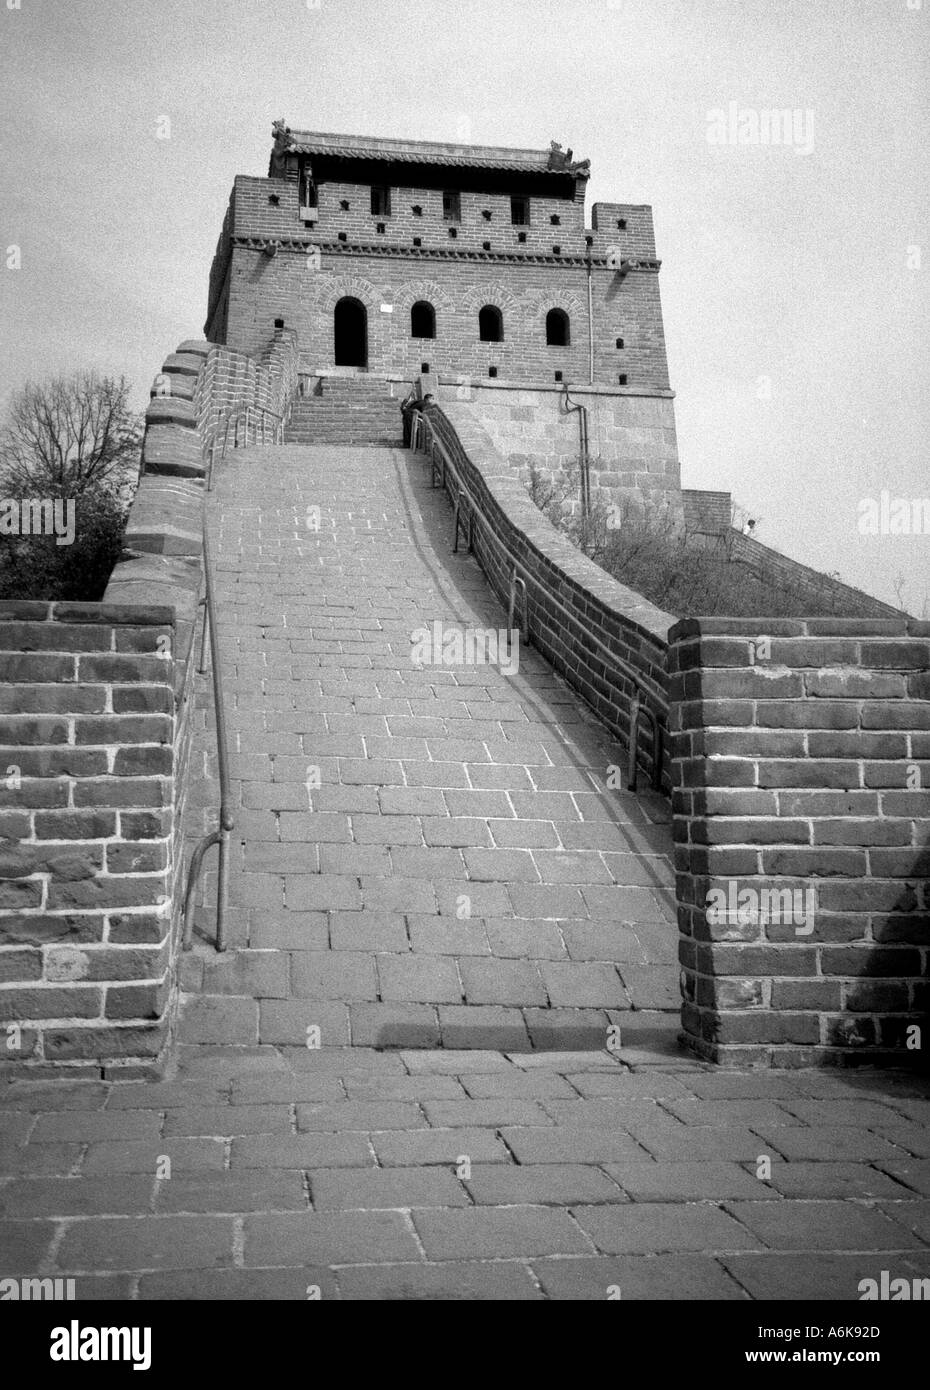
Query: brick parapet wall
[(707, 513), (91, 754), (96, 721), (823, 589), (707, 520), (234, 379), (252, 213), (800, 764), (601, 610)]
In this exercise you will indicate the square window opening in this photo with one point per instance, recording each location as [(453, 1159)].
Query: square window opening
[(380, 201)]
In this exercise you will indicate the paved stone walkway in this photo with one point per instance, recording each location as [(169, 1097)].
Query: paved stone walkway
[(464, 1175), (522, 1159), (428, 854)]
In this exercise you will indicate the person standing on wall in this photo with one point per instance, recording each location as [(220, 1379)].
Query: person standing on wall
[(409, 407)]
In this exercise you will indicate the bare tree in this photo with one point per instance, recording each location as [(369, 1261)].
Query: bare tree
[(69, 434), (900, 592)]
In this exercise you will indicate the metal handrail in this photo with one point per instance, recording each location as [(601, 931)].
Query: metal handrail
[(421, 425), (249, 415), (219, 836)]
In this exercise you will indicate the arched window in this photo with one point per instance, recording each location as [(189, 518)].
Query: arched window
[(490, 324), (558, 333), (422, 320)]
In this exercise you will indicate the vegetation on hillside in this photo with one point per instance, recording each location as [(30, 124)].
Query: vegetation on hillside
[(643, 546)]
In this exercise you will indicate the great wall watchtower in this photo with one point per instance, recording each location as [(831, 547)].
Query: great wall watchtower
[(473, 265)]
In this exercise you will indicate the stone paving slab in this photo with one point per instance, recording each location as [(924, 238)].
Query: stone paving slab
[(460, 1175)]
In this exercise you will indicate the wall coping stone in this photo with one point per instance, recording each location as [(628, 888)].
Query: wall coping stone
[(798, 627), (166, 516)]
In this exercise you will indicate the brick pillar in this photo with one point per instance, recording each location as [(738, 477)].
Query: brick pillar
[(800, 769)]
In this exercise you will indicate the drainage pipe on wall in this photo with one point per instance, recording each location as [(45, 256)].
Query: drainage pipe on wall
[(590, 318), (570, 407)]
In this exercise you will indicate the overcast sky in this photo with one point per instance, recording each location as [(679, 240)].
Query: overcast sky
[(794, 278)]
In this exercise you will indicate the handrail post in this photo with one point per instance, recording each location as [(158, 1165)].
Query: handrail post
[(222, 888), (212, 464), (525, 622), (632, 772), (204, 633)]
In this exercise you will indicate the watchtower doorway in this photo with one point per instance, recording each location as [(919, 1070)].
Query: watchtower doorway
[(350, 333)]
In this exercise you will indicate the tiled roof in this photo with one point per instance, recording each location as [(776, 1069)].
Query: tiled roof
[(423, 152), (455, 161)]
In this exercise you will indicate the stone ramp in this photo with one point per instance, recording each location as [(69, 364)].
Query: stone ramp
[(425, 855)]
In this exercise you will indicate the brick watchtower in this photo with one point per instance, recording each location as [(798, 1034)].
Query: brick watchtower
[(399, 257)]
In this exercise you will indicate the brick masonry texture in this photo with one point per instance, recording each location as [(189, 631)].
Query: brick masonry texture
[(94, 740), (800, 762)]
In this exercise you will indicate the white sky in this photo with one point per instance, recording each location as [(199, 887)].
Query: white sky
[(778, 265)]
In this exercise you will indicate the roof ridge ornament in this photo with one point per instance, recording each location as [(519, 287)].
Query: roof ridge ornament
[(282, 141), (561, 160)]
